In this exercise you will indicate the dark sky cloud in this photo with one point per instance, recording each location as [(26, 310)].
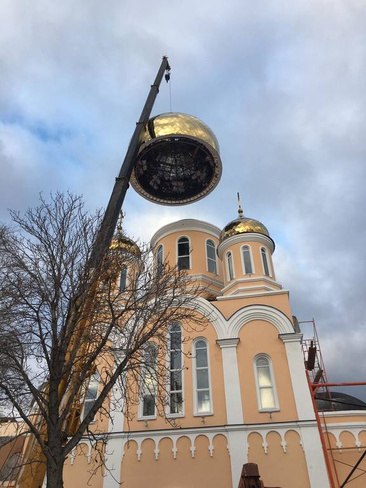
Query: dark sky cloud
[(281, 83)]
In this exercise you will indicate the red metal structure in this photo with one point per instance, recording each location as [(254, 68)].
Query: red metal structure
[(318, 383)]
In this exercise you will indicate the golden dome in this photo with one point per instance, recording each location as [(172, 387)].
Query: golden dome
[(123, 243), (178, 160), (177, 123), (243, 225)]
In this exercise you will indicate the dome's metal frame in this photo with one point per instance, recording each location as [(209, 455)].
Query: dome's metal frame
[(207, 165)]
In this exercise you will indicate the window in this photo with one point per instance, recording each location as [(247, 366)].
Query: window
[(91, 393), (265, 261), (266, 392), (10, 469), (211, 256), (203, 404), (247, 260), (149, 380), (159, 261), (230, 267), (175, 371), (183, 253), (123, 279)]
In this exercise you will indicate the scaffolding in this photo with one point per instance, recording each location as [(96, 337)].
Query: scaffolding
[(320, 390)]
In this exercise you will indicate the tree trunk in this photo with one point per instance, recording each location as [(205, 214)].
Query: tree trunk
[(56, 458), (55, 475)]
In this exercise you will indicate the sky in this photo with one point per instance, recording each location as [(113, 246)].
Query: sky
[(282, 85)]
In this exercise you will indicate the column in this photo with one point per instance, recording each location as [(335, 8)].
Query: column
[(234, 408), (115, 443), (237, 439), (300, 387)]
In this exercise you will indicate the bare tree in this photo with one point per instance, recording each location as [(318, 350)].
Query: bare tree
[(63, 321)]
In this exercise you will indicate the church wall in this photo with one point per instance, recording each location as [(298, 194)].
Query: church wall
[(345, 438), (84, 467), (281, 463), (279, 301), (259, 337), (217, 384), (198, 259), (343, 455), (255, 247), (188, 465)]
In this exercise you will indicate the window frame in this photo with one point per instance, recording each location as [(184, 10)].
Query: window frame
[(141, 415), (159, 265), (189, 255), (194, 379), (123, 269), (264, 252), (90, 400), (171, 370), (210, 259), (244, 247), (276, 406), (227, 266)]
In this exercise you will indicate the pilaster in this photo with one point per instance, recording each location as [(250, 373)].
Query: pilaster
[(300, 387), (234, 408)]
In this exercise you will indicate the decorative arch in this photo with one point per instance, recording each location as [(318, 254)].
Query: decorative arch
[(229, 329), (259, 312), (205, 308)]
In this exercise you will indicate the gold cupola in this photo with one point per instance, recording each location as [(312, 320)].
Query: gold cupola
[(178, 160), (122, 243), (244, 225)]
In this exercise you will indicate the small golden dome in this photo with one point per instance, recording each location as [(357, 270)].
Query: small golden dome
[(123, 243), (243, 225)]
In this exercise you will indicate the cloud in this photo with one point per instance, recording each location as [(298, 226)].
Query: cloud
[(282, 85)]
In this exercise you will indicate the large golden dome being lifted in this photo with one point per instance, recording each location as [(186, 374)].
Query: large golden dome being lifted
[(178, 161)]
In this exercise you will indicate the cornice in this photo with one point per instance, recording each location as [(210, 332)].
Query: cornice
[(253, 295), (344, 413), (234, 282), (291, 337), (207, 279), (270, 426), (231, 342)]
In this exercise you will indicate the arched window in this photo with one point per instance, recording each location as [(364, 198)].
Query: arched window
[(203, 401), (247, 260), (230, 266), (265, 261), (149, 379), (91, 394), (123, 279), (183, 253), (159, 260), (175, 370), (211, 256), (266, 390)]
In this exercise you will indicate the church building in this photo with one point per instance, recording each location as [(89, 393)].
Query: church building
[(238, 390)]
